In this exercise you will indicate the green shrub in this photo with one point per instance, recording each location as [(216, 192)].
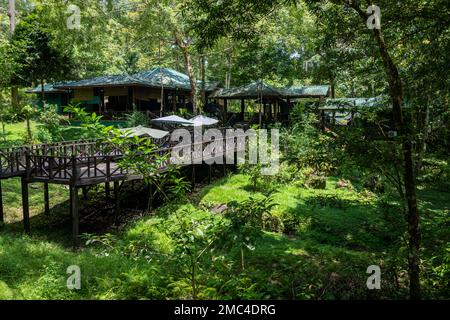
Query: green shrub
[(135, 119), (316, 181), (50, 129)]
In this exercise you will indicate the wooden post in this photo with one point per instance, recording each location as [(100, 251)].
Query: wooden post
[(225, 110), (322, 120), (242, 109), (46, 199), (2, 219), (193, 176), (150, 200), (84, 190), (75, 215), (107, 190), (209, 174), (25, 205), (116, 198)]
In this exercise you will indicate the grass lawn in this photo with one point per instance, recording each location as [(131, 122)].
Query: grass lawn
[(15, 133), (335, 235)]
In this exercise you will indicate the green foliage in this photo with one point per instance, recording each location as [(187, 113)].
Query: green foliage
[(333, 235), (247, 221), (254, 171), (135, 119), (37, 59), (94, 129), (435, 173), (51, 121), (308, 147), (193, 239)]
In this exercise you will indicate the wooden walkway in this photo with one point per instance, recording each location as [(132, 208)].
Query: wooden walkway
[(79, 164)]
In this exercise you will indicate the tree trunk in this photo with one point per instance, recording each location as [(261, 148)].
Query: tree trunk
[(203, 77), (15, 97), (333, 87), (12, 28), (425, 134), (161, 107), (29, 134), (189, 69), (43, 94), (396, 93)]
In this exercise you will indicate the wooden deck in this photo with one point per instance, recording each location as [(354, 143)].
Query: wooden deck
[(79, 164)]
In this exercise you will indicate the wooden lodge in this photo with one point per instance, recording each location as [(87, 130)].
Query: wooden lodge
[(114, 95), (274, 104)]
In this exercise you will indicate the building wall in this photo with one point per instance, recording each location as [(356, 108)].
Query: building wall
[(116, 91), (83, 94), (142, 93)]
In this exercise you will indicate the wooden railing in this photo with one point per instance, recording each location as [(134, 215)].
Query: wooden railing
[(13, 161), (91, 161)]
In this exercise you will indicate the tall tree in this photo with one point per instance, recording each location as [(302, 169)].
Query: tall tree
[(405, 19), (39, 61)]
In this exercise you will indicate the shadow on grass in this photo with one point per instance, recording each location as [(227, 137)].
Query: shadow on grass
[(96, 213), (349, 223)]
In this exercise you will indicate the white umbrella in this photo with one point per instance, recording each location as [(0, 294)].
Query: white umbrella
[(201, 120), (141, 131), (173, 120)]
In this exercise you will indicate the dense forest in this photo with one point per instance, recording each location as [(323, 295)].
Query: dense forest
[(374, 191)]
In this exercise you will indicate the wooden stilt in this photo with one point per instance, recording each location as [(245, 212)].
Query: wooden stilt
[(193, 176), (46, 199), (25, 205), (2, 218), (116, 198), (150, 199), (107, 189), (225, 111), (209, 174), (84, 190), (75, 216)]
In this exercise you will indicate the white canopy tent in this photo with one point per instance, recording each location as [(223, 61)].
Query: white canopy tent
[(201, 120), (141, 131), (173, 120)]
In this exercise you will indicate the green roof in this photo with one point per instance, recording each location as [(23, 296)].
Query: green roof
[(253, 90), (48, 88), (157, 77), (306, 91), (342, 103), (110, 80), (257, 89)]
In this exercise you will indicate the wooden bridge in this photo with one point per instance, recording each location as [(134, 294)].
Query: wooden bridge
[(79, 164)]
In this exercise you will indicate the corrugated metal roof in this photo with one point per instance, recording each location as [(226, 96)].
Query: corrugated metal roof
[(48, 88), (353, 102), (109, 80), (260, 88), (306, 91), (169, 78), (252, 90)]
